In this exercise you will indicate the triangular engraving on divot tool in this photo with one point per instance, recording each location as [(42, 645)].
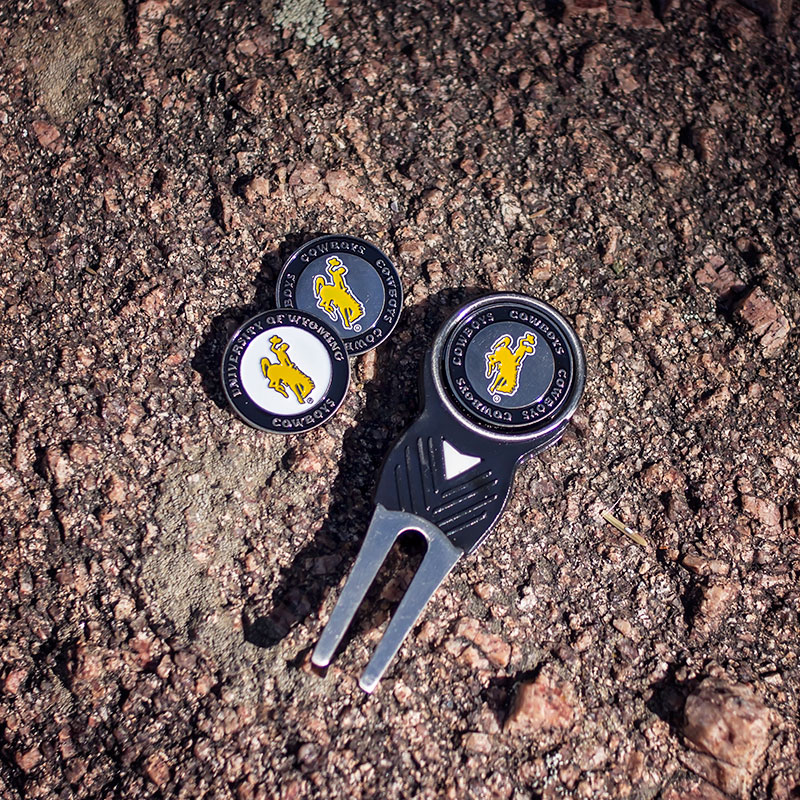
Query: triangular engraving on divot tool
[(456, 462)]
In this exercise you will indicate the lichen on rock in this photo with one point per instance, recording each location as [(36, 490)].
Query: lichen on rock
[(305, 18)]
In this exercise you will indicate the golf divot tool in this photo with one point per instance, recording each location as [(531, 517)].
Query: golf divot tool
[(499, 385)]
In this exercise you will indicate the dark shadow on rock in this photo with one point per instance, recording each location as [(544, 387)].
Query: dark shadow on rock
[(208, 356), (661, 7), (726, 302), (12, 778), (498, 696), (391, 405), (554, 9), (691, 599), (669, 698)]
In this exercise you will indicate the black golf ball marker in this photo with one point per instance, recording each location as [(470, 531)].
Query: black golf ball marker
[(508, 366), (348, 282), (500, 384), (285, 371)]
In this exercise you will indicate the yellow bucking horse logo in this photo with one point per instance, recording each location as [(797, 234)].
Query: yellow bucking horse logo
[(503, 364), (337, 297), (286, 374)]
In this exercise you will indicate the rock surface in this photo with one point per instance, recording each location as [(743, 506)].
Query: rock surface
[(165, 570), (767, 322), (730, 727), (727, 721), (545, 704)]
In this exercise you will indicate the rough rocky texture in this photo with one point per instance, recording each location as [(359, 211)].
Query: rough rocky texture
[(546, 704), (766, 321), (165, 570), (730, 728)]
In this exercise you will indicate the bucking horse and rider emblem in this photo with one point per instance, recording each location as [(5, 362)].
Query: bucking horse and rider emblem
[(337, 298), (503, 364), (286, 375)]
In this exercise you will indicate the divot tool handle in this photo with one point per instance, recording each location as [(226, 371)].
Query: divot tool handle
[(452, 475), (500, 383)]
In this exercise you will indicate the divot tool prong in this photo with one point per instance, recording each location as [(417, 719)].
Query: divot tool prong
[(384, 529)]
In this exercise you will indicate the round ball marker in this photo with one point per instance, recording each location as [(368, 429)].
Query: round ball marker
[(512, 364), (285, 371), (347, 282)]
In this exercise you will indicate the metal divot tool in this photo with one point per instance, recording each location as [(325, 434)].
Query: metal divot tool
[(499, 385)]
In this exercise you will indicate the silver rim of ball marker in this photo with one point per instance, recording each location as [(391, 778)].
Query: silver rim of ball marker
[(348, 282), (555, 367), (285, 371)]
